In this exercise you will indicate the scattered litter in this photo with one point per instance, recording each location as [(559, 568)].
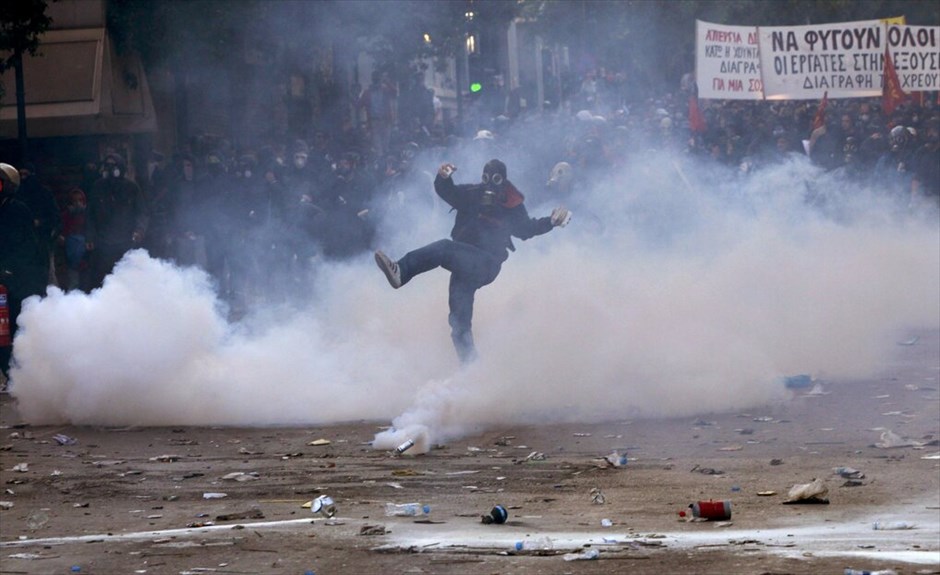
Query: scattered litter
[(711, 510), (166, 458), (241, 476), (464, 472), (853, 483), (582, 435), (62, 439), (892, 525), (367, 530), (890, 439), (776, 462), (706, 471), (21, 467), (406, 509), (496, 515), (540, 544), (319, 442), (911, 341), (763, 419), (731, 448), (404, 473), (848, 473), (812, 492), (615, 459), (585, 555), (746, 431), (324, 506), (394, 485), (932, 456), (28, 556), (607, 523), (766, 493), (211, 495), (5, 505), (597, 496), (535, 456)]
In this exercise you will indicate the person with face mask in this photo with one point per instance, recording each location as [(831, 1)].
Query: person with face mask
[(22, 265), (489, 214), (116, 218)]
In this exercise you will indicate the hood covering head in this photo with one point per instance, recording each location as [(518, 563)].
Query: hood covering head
[(492, 168), (117, 159)]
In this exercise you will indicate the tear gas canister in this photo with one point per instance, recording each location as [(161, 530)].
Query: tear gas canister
[(712, 510), (405, 446)]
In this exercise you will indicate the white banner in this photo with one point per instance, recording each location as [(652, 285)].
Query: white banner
[(915, 52), (805, 62), (727, 62)]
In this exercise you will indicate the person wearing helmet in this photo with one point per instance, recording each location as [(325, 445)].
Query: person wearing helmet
[(116, 218), (489, 214), (22, 267)]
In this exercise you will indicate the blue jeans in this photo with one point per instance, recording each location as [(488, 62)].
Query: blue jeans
[(470, 269)]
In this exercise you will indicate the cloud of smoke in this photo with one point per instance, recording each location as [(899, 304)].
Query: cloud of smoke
[(677, 289)]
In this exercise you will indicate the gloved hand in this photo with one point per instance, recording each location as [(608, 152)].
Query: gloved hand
[(447, 170), (561, 217)]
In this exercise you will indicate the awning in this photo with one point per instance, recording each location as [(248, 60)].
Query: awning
[(79, 86)]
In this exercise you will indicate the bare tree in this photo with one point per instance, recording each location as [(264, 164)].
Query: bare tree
[(21, 24)]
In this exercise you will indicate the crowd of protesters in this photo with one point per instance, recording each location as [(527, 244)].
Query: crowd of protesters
[(260, 216)]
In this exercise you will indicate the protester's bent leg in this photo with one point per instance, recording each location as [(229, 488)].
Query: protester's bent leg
[(424, 259)]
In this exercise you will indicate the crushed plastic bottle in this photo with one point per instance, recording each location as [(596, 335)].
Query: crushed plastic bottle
[(536, 544), (892, 525), (406, 509), (585, 555)]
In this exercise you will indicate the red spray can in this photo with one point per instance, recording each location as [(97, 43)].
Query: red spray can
[(712, 510)]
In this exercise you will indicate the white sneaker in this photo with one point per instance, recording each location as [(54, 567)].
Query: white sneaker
[(389, 268)]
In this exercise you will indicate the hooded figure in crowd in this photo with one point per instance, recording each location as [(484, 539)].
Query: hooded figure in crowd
[(115, 219), (489, 213), (23, 266)]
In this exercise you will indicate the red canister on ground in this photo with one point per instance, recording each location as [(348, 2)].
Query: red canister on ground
[(712, 510)]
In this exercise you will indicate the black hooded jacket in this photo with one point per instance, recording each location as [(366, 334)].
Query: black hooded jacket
[(489, 225)]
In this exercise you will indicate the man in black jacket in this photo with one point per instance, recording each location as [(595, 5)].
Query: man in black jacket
[(23, 266), (488, 215)]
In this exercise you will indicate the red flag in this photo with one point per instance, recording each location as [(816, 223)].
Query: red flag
[(696, 119), (819, 120), (891, 95)]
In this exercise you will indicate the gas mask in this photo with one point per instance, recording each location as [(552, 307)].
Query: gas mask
[(110, 170), (493, 180), (300, 161)]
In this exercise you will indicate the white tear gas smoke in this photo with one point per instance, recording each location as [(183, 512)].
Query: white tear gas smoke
[(676, 290)]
